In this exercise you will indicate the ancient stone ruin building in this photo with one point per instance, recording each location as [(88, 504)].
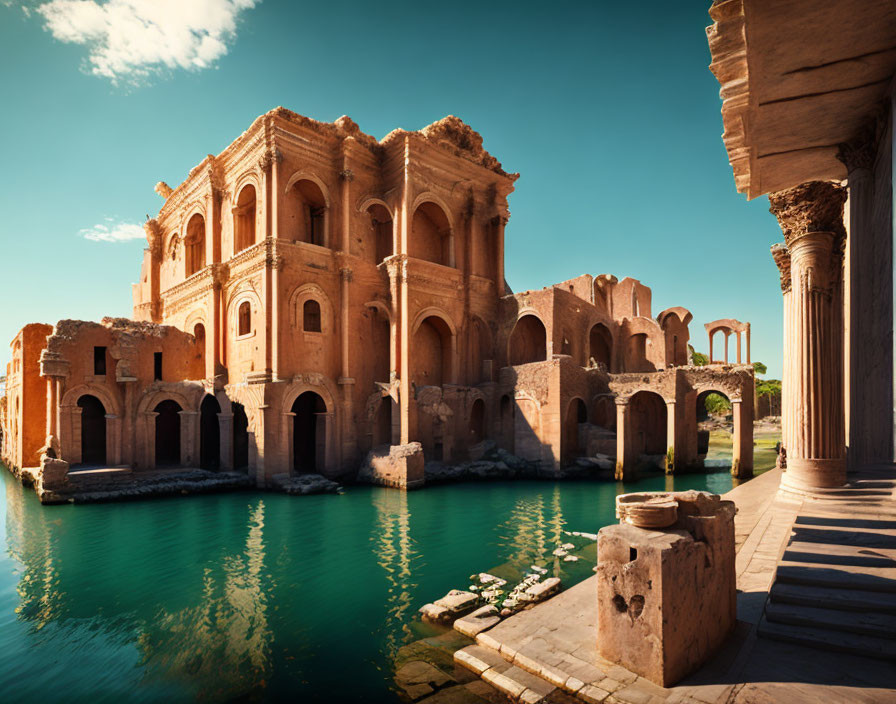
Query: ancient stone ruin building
[(311, 294)]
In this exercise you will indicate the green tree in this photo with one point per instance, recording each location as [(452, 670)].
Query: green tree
[(759, 368), (698, 359), (717, 405)]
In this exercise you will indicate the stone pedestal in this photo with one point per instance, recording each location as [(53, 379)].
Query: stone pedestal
[(666, 597), (400, 467)]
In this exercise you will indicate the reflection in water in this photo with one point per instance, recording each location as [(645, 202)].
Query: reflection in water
[(225, 638), (394, 550), (263, 598), (533, 531)]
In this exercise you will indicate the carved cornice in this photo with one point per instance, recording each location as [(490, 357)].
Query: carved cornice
[(781, 255), (858, 153), (815, 206)]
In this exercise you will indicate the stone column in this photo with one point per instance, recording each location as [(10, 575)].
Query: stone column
[(225, 435), (811, 216), (781, 255), (671, 444), (189, 438), (625, 457), (742, 442), (869, 311)]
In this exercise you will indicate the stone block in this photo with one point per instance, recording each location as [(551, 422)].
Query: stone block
[(400, 467), (666, 597), (479, 620)]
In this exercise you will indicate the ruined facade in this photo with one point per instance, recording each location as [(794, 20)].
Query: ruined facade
[(311, 294)]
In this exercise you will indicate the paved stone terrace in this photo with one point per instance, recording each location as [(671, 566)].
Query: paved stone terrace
[(549, 653)]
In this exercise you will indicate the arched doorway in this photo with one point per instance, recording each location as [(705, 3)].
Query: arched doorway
[(431, 353), (600, 344), (477, 422), (647, 412), (308, 433), (93, 430), (168, 433), (715, 429), (209, 434), (573, 444), (528, 341), (240, 437)]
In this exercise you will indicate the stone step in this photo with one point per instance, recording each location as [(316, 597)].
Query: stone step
[(815, 553), (864, 623), (840, 577), (822, 639), (845, 535), (826, 598), (514, 682)]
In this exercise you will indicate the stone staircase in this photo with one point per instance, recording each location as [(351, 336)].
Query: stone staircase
[(835, 586)]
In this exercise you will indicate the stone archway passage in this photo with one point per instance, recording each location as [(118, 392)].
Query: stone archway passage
[(93, 430), (600, 344), (209, 434), (168, 434), (528, 341), (309, 425), (648, 418), (240, 437)]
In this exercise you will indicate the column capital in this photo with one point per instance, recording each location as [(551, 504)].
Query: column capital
[(814, 206), (781, 255), (858, 154)]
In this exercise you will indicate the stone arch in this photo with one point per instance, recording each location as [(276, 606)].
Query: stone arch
[(324, 427), (701, 414), (245, 215), (298, 298), (434, 349), (168, 433), (528, 340), (572, 442), (647, 412), (187, 398), (432, 234), (381, 226), (194, 243), (600, 346), (93, 430), (306, 207), (244, 293)]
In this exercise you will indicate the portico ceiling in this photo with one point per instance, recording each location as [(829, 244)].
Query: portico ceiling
[(798, 78)]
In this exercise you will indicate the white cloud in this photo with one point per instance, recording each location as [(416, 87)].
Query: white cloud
[(113, 231), (130, 39)]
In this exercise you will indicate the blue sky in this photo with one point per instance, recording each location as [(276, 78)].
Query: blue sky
[(608, 111)]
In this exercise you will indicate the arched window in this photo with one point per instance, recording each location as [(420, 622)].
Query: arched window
[(306, 211), (431, 236), (311, 316), (195, 244), (244, 316), (381, 232), (528, 341), (244, 219)]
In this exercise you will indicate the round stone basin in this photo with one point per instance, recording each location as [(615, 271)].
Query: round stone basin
[(647, 509)]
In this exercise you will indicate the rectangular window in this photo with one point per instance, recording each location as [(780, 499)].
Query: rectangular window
[(157, 361), (99, 361)]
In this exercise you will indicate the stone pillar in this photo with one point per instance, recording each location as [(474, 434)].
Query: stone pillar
[(225, 430), (811, 216), (671, 444), (869, 312), (781, 255), (113, 440), (189, 438), (625, 456), (742, 442)]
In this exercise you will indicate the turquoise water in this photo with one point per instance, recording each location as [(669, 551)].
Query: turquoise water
[(260, 597)]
